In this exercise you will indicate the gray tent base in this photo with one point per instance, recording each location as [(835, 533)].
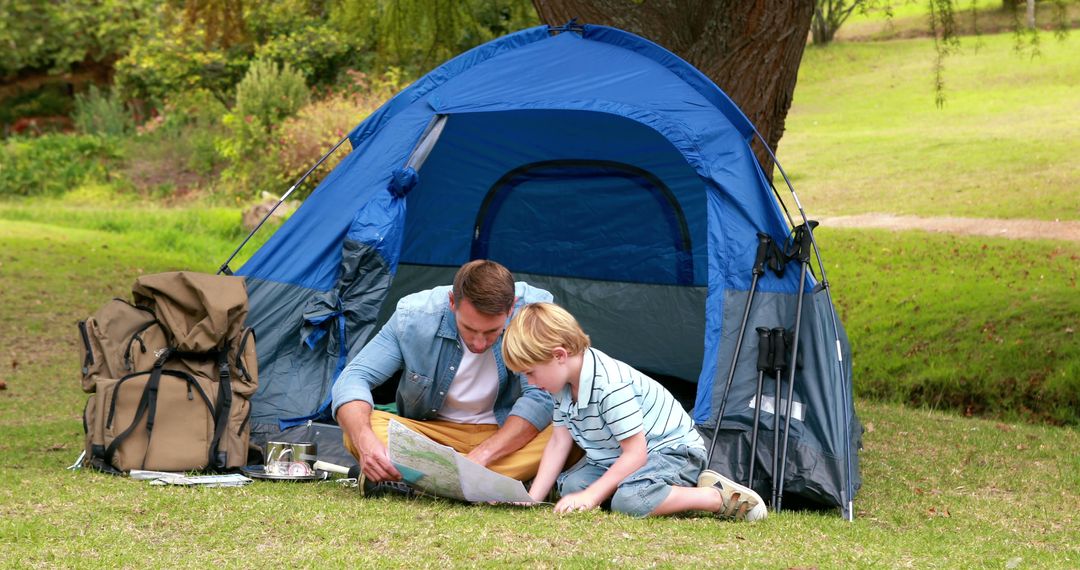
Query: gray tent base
[(812, 479), (815, 469)]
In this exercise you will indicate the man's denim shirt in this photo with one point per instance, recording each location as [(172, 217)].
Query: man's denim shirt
[(421, 337)]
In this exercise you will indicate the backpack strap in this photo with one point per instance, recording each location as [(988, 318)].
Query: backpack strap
[(148, 401), (224, 404)]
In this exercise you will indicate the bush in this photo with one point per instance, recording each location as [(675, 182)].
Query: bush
[(52, 164), (265, 96), (98, 113), (316, 128), (269, 93)]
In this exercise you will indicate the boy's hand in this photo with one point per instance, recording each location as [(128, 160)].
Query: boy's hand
[(581, 501)]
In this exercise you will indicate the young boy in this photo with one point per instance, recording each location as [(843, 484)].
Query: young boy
[(641, 449)]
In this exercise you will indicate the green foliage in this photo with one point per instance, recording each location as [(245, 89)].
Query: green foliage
[(98, 113), (317, 50), (174, 154), (304, 34), (419, 34), (49, 100), (268, 94), (170, 58), (53, 164), (320, 125), (54, 36)]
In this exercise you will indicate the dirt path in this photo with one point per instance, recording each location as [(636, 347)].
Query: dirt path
[(1014, 229)]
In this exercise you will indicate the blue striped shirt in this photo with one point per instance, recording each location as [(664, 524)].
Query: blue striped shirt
[(615, 401)]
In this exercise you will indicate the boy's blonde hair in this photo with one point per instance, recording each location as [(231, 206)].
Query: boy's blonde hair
[(536, 331)]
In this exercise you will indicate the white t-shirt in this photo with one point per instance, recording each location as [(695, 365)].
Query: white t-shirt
[(471, 398)]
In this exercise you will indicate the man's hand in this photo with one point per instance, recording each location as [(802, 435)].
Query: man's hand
[(581, 501), (513, 434), (374, 459), (355, 419)]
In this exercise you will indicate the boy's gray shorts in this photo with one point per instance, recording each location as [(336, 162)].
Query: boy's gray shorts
[(644, 490)]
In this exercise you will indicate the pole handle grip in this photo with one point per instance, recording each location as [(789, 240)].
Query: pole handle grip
[(765, 349), (762, 255), (778, 339)]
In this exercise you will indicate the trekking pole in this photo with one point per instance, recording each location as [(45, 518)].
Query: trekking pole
[(763, 255), (225, 266), (779, 355), (847, 494), (801, 251), (764, 360)]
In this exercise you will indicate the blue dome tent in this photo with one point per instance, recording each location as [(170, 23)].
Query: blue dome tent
[(603, 168)]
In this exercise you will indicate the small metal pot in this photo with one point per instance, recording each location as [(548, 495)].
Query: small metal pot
[(286, 459)]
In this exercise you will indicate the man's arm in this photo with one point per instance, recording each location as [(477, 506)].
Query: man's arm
[(355, 420), (512, 436), (375, 363)]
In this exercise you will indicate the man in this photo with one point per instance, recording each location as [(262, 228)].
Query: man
[(455, 388)]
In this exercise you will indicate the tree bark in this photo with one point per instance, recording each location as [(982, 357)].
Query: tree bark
[(750, 48)]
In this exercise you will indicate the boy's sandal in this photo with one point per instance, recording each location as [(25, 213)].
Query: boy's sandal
[(739, 502)]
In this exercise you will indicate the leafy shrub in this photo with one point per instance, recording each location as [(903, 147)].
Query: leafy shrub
[(52, 164), (315, 49), (267, 94), (98, 113), (316, 128)]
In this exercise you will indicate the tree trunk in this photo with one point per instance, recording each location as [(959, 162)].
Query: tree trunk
[(750, 48)]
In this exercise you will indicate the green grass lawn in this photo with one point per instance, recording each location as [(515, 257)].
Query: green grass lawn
[(864, 134), (940, 490), (910, 18), (985, 326)]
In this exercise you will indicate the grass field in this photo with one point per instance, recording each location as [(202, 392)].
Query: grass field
[(940, 490), (864, 134), (910, 18)]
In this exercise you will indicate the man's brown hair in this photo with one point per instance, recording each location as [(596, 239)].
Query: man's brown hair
[(487, 285)]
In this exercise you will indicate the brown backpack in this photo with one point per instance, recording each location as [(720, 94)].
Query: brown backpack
[(170, 376)]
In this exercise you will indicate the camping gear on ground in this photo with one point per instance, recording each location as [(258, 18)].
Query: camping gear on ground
[(289, 459), (170, 376), (327, 439), (592, 163)]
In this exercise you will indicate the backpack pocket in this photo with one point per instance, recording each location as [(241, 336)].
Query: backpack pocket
[(107, 341), (160, 420)]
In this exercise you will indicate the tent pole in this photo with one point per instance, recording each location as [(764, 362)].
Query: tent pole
[(225, 266), (802, 253), (848, 508)]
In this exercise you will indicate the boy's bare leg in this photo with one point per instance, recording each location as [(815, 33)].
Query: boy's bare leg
[(683, 499)]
